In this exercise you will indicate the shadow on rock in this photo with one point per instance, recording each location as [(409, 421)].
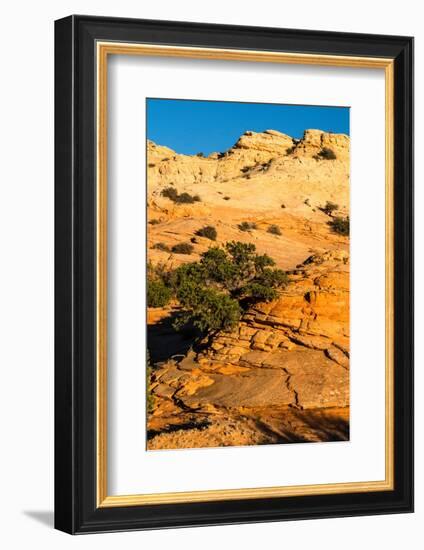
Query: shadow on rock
[(300, 426), (327, 427), (191, 425), (164, 341)]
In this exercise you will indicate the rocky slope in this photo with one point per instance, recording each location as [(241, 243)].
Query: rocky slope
[(287, 361), (268, 178), (283, 374)]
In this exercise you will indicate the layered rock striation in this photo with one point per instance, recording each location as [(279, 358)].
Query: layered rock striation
[(292, 353), (283, 374), (290, 170)]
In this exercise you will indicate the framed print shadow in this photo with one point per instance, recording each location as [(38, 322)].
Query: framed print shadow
[(234, 274)]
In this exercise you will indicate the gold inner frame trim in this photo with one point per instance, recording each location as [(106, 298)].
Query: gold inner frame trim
[(103, 50)]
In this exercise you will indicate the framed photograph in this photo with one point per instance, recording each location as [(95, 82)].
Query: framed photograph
[(234, 274)]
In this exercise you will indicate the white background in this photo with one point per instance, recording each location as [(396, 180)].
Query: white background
[(26, 289), (132, 469)]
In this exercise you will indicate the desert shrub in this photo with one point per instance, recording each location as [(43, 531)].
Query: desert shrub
[(185, 198), (245, 169), (170, 193), (201, 155), (274, 230), (154, 222), (214, 290), (226, 198), (247, 226), (158, 294), (208, 231), (326, 154), (207, 309), (161, 246), (182, 248), (283, 206), (151, 165), (290, 150), (329, 207), (340, 225)]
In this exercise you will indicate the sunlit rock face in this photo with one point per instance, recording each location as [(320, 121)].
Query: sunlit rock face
[(282, 375)]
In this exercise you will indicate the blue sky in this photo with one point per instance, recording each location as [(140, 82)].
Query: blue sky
[(191, 127)]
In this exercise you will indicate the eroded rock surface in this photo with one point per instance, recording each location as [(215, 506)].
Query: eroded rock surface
[(288, 355), (283, 375), (267, 178)]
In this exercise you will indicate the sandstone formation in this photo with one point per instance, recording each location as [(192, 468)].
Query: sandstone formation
[(292, 353), (286, 181), (283, 374)]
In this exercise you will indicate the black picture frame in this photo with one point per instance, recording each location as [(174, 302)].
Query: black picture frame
[(76, 510)]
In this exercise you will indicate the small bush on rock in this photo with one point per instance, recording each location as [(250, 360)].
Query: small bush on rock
[(170, 193), (274, 230), (329, 208), (326, 154), (185, 198), (182, 248), (340, 226), (208, 231), (247, 226)]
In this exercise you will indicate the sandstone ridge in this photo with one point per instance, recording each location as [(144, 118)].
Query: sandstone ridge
[(268, 155), (266, 177)]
